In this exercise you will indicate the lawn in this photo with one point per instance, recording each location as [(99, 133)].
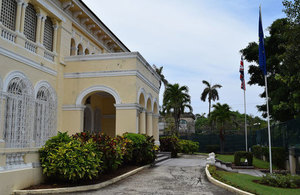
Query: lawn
[(245, 182), (256, 162)]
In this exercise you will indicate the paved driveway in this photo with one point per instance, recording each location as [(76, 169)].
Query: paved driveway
[(176, 176)]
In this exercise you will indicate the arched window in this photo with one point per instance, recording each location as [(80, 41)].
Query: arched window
[(8, 14), (48, 34), (30, 23), (73, 48), (86, 52), (79, 50), (18, 113), (45, 116)]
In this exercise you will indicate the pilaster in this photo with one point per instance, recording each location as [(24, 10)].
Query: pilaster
[(55, 28), (42, 30), (18, 15), (38, 27), (24, 6), (155, 127)]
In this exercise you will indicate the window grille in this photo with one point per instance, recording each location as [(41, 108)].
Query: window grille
[(8, 14), (18, 113), (48, 34), (30, 23), (45, 117)]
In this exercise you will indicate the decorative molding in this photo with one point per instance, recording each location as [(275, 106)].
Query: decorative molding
[(26, 61), (14, 74), (51, 9), (100, 24), (46, 84), (127, 106), (96, 88), (72, 107), (111, 74), (113, 56)]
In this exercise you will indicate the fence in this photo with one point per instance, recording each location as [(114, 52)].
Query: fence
[(282, 135)]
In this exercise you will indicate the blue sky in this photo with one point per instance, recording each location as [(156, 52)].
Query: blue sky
[(193, 40)]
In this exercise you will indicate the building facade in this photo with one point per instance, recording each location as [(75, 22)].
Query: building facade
[(62, 69)]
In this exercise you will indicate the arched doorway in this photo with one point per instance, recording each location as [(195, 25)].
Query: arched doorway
[(99, 113)]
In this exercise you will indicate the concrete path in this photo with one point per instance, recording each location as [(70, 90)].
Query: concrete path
[(175, 176)]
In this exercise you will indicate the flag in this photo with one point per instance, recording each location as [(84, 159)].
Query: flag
[(243, 86), (262, 53)]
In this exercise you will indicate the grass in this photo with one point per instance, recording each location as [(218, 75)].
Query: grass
[(245, 182), (256, 162)]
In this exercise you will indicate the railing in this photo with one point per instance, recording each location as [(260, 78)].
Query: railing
[(6, 34), (30, 46), (49, 56)]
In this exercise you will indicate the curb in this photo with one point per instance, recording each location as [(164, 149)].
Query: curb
[(223, 185), (80, 188)]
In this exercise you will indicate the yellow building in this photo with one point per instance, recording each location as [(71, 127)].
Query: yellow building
[(62, 69)]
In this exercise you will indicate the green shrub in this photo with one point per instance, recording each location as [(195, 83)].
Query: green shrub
[(212, 148), (126, 148), (110, 147), (242, 154), (143, 148), (257, 151), (170, 144), (278, 156), (283, 181), (70, 160), (188, 146)]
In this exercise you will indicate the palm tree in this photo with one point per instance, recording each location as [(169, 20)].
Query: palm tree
[(210, 93), (221, 114), (176, 99), (162, 77)]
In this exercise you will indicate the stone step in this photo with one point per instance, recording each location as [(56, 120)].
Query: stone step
[(160, 159)]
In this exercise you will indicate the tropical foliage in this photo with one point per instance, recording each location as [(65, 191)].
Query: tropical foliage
[(220, 115), (176, 99), (211, 93)]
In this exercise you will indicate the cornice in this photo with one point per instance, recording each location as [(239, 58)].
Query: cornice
[(113, 56), (26, 61), (72, 108), (127, 106), (53, 11)]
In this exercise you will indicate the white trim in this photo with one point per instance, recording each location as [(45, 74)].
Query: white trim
[(26, 61), (141, 91), (97, 88), (46, 84), (52, 10), (72, 108), (76, 75), (113, 56), (127, 106), (15, 74)]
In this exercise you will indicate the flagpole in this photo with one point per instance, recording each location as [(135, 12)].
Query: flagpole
[(269, 131), (245, 121)]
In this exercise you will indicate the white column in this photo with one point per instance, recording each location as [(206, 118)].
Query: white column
[(42, 29), (38, 27), (23, 17), (18, 16), (142, 122), (149, 124), (155, 128), (55, 27)]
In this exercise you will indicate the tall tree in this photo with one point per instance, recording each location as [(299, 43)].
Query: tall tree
[(221, 114), (280, 93), (161, 75), (211, 93), (176, 99)]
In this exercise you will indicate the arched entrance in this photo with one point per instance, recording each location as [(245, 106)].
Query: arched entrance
[(99, 113)]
